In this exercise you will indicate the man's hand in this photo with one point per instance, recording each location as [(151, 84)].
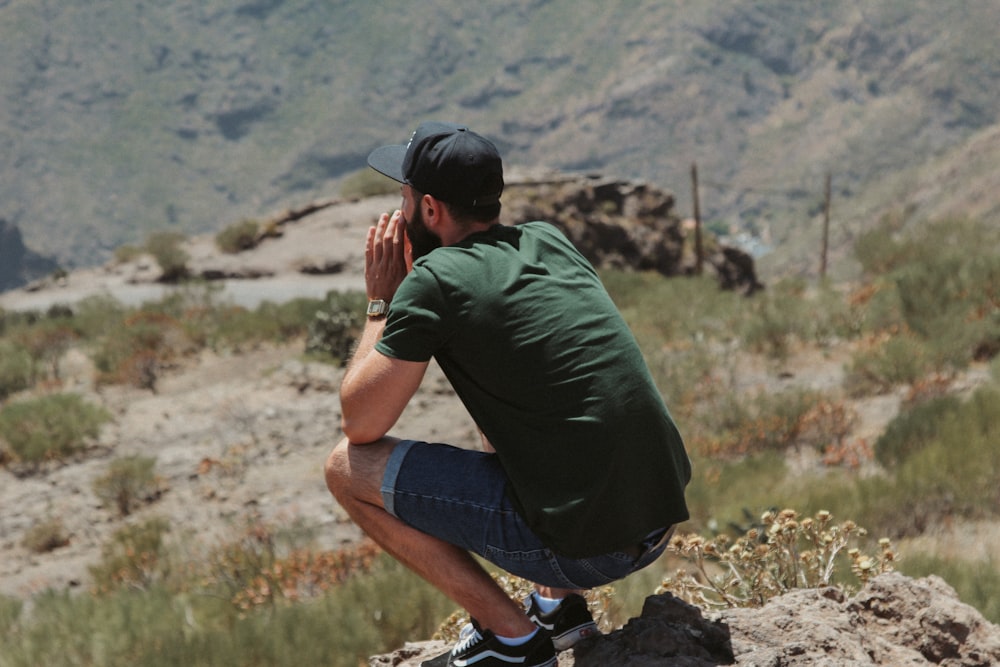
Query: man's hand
[(376, 388), (386, 256)]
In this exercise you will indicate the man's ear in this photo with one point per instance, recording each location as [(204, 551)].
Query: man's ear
[(432, 210)]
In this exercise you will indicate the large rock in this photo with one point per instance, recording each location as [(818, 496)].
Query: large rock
[(622, 224), (18, 264), (894, 620)]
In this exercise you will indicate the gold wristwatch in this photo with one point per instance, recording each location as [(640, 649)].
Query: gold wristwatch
[(377, 307)]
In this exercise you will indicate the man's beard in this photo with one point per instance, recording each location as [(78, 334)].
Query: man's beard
[(422, 240)]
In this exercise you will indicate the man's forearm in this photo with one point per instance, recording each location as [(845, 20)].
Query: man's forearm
[(370, 335)]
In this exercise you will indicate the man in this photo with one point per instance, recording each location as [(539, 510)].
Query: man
[(583, 473)]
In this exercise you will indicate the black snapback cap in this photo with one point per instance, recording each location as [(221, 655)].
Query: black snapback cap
[(447, 161)]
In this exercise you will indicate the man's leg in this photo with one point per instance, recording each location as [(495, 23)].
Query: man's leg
[(354, 476)]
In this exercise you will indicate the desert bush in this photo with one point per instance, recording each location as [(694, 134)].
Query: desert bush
[(16, 368), (133, 352), (336, 325), (135, 558), (888, 362), (49, 427), (129, 482), (96, 315), (662, 310), (165, 247), (785, 552), (46, 341), (239, 236), (126, 253), (946, 276), (236, 327), (46, 536), (955, 474), (367, 183), (912, 430), (775, 422)]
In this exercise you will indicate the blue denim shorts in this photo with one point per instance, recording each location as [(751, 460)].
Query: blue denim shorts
[(460, 496)]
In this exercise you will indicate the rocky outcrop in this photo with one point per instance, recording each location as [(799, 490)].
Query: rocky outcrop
[(894, 620), (622, 224), (18, 264)]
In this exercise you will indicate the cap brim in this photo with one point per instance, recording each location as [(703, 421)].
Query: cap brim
[(388, 160)]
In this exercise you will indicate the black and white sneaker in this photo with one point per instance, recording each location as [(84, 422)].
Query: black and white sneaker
[(480, 648), (567, 624)]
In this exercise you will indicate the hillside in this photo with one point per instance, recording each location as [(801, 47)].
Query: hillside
[(118, 119), (239, 431)]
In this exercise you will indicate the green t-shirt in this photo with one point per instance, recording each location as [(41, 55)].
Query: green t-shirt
[(536, 350)]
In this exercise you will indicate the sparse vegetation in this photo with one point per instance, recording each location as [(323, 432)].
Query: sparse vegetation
[(46, 536), (367, 183), (336, 326), (784, 552), (166, 248), (239, 236), (49, 427), (128, 482)]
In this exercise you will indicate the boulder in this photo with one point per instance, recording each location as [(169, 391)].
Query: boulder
[(893, 620)]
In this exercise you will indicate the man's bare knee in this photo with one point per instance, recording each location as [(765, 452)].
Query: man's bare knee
[(354, 472), (337, 469)]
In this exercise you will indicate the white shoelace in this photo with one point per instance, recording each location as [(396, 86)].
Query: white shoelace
[(467, 638)]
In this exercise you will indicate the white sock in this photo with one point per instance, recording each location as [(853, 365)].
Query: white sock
[(516, 641), (545, 604)]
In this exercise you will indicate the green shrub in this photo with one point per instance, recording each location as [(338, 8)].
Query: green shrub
[(336, 325), (945, 275), (239, 236), (367, 183), (957, 473), (16, 368), (135, 558), (46, 536), (896, 360), (267, 322), (96, 315), (165, 247), (914, 429), (129, 482), (134, 351), (127, 253), (50, 427), (46, 341)]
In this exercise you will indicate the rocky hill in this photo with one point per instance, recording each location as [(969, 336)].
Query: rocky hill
[(118, 119)]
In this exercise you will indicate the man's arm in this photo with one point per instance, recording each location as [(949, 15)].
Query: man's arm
[(376, 388)]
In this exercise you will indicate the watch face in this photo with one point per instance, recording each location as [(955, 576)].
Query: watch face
[(377, 307)]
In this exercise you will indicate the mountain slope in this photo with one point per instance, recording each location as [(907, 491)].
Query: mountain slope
[(117, 119)]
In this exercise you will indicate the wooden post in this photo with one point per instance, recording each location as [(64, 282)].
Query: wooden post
[(826, 228), (697, 220)]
